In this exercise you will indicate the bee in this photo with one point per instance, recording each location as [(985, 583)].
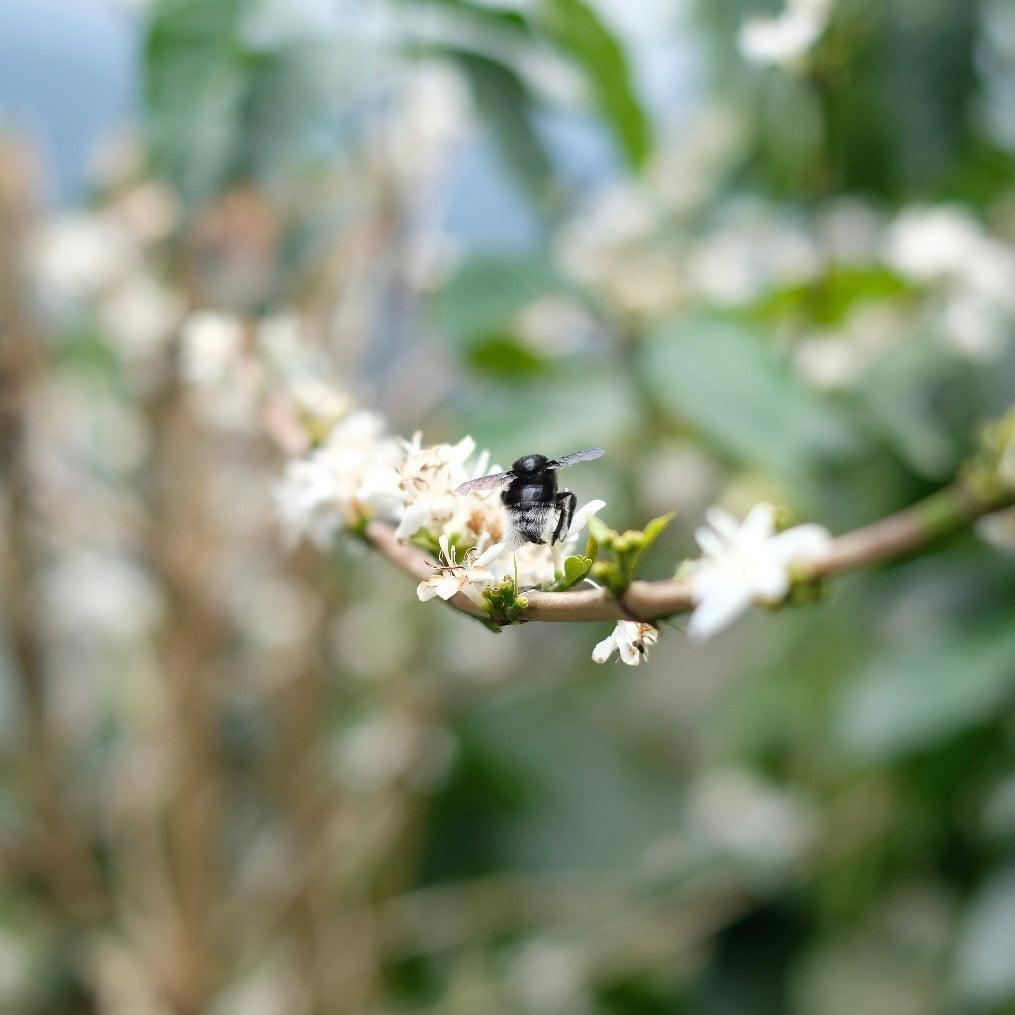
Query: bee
[(537, 511)]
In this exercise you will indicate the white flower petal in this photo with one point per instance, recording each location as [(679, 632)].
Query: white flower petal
[(717, 612), (771, 582), (447, 587), (723, 522), (711, 544), (489, 555), (604, 649), (629, 653), (759, 524), (583, 514), (800, 542), (426, 591)]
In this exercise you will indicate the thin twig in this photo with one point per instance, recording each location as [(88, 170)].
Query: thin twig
[(939, 515)]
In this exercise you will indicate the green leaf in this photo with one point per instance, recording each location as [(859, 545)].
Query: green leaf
[(576, 29), (575, 570), (479, 14), (195, 83), (487, 292), (829, 299), (505, 357), (929, 692), (735, 390), (655, 529)]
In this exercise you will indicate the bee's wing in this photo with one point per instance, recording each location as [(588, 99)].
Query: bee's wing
[(577, 456), (486, 482)]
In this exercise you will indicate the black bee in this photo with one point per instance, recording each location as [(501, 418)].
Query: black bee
[(537, 511)]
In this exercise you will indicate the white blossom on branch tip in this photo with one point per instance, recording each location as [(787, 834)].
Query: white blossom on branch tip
[(324, 492), (743, 563), (631, 639)]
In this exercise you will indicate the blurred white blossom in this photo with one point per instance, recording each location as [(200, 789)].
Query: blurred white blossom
[(998, 529), (986, 943), (73, 257), (99, 593), (211, 347), (788, 37), (751, 250), (388, 747), (928, 243), (744, 562), (631, 639), (323, 492), (974, 327), (549, 976), (139, 315), (750, 820), (828, 362)]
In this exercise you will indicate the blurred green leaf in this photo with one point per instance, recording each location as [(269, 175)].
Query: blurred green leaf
[(829, 299), (195, 79), (897, 399), (504, 356), (930, 691), (575, 28), (479, 13), (487, 292), (724, 381)]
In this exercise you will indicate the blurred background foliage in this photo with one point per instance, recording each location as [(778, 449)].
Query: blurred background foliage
[(242, 780)]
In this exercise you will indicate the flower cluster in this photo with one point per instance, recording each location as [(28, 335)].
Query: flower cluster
[(359, 472)]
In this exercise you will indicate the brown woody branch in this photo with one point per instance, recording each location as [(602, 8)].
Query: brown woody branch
[(907, 531)]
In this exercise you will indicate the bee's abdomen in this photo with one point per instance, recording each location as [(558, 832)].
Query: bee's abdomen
[(530, 521)]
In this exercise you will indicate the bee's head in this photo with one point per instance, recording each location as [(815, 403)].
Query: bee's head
[(530, 465)]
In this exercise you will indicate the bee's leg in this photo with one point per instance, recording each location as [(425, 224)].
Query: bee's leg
[(565, 503)]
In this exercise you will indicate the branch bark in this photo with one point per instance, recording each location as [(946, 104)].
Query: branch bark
[(907, 531)]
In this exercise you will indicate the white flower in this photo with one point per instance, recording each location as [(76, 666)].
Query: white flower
[(785, 39), (974, 327), (450, 577), (631, 638), (317, 401), (419, 491), (139, 314), (99, 592), (928, 243), (745, 562), (212, 346), (998, 529), (321, 494), (76, 256), (388, 748)]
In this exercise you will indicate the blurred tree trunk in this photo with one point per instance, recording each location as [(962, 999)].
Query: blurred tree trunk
[(60, 849)]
